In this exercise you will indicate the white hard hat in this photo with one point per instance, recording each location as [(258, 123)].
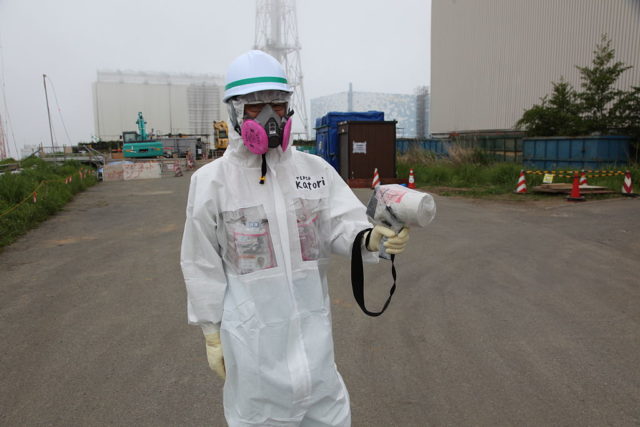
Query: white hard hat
[(254, 71)]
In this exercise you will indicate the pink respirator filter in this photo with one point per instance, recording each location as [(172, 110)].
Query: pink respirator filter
[(254, 137), (286, 133)]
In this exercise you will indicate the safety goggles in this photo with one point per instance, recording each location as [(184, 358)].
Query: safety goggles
[(277, 106)]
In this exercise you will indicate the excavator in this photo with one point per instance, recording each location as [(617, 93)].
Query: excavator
[(220, 136), (140, 144)]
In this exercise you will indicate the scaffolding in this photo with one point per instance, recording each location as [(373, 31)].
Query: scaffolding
[(202, 108)]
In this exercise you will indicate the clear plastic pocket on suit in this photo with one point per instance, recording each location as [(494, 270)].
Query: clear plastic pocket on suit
[(248, 247), (310, 223)]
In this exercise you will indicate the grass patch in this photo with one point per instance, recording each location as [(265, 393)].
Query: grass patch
[(18, 212), (8, 160)]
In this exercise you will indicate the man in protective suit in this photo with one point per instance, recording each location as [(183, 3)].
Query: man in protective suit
[(261, 223)]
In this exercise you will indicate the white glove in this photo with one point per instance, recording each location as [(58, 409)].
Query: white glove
[(214, 354), (395, 243)]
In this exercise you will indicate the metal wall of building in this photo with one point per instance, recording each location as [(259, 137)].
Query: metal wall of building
[(183, 104), (492, 59)]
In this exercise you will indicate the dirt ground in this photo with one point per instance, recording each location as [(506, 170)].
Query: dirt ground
[(506, 313)]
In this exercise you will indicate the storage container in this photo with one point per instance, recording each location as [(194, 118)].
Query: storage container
[(327, 144), (365, 146)]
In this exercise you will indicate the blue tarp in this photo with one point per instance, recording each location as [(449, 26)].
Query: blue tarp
[(327, 142)]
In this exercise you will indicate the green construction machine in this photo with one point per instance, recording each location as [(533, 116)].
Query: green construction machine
[(139, 144)]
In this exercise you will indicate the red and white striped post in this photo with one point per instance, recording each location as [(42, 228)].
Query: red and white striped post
[(376, 179), (583, 179), (521, 187), (627, 186), (177, 169)]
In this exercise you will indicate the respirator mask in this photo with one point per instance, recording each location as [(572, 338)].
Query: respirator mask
[(265, 124), (267, 129)]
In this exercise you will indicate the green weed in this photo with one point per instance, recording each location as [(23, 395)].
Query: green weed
[(18, 212)]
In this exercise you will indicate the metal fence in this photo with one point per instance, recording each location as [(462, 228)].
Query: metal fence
[(502, 148), (438, 146), (505, 147)]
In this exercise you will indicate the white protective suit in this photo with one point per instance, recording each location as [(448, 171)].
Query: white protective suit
[(255, 260)]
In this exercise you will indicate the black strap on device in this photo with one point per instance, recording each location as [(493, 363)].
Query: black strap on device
[(357, 276)]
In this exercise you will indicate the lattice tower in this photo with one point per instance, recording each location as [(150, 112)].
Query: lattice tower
[(277, 34)]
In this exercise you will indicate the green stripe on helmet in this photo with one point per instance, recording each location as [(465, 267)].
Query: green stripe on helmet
[(255, 80)]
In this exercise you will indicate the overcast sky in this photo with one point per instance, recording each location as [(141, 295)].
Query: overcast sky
[(378, 45)]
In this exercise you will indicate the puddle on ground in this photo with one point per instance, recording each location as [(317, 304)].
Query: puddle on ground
[(70, 240), (152, 193), (168, 228)]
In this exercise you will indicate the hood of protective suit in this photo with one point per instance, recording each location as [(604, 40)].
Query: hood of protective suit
[(237, 151)]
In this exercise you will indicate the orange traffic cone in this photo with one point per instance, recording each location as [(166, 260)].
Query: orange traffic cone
[(575, 190), (583, 179), (521, 187), (627, 186), (412, 181), (376, 179)]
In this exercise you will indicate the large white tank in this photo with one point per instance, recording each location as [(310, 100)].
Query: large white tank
[(171, 103)]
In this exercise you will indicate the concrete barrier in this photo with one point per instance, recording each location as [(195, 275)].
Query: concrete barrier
[(147, 170), (130, 170), (113, 172)]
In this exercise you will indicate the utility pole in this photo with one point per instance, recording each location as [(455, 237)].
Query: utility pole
[(46, 97), (3, 143)]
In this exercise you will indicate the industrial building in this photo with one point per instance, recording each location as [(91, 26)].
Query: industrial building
[(492, 59), (410, 111), (171, 103)]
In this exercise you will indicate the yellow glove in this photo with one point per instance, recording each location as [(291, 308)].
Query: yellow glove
[(394, 244), (214, 354)]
